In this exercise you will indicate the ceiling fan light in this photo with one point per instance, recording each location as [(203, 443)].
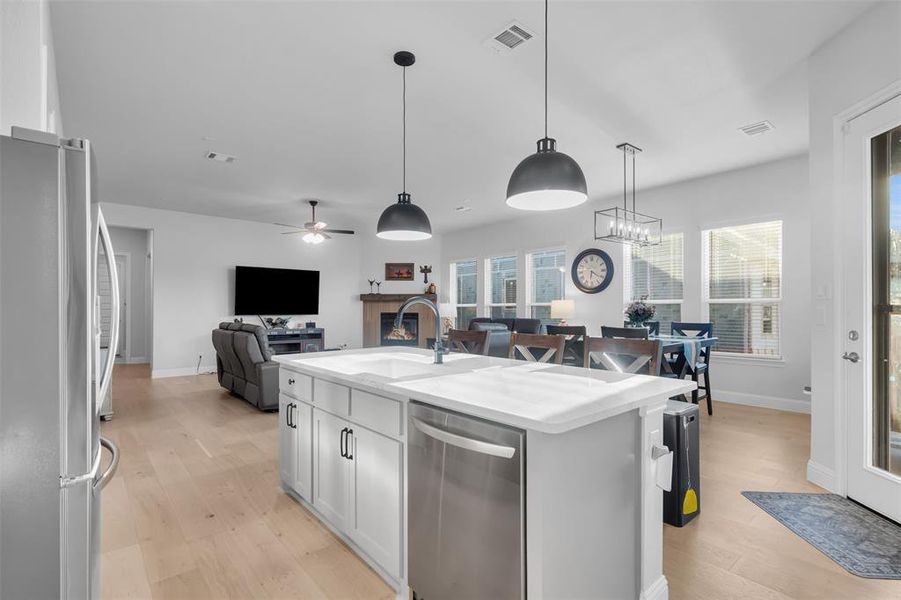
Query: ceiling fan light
[(547, 180), (404, 221), (313, 237)]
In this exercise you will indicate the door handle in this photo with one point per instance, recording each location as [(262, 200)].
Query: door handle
[(288, 414), (341, 444), (290, 382), (103, 237), (851, 356), (99, 484), (347, 439), (463, 442), (293, 422)]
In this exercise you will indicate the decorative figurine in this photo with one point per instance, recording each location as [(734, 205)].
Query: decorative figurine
[(425, 270)]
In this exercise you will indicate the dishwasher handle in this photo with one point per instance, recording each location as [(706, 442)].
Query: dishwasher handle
[(463, 442)]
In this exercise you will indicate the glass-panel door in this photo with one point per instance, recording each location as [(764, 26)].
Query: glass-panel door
[(885, 155), (870, 240)]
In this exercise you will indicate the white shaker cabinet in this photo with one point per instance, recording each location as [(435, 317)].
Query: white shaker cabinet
[(375, 484), (330, 467), (287, 442)]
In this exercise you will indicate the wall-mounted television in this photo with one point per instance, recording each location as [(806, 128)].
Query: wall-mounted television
[(264, 291)]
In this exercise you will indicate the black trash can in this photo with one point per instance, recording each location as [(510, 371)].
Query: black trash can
[(680, 434)]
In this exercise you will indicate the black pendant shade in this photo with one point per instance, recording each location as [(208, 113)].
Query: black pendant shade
[(547, 180), (404, 221)]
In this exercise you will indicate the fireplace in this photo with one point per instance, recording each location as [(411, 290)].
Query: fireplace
[(406, 335)]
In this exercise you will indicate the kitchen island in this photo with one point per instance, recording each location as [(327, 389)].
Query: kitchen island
[(374, 442)]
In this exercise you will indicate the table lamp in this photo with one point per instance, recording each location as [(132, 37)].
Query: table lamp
[(563, 310), (448, 312)]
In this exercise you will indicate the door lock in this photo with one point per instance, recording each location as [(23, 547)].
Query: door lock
[(853, 335), (851, 356)]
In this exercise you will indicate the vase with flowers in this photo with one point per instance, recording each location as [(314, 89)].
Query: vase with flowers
[(640, 312)]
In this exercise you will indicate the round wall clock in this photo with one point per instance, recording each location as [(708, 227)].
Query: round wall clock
[(592, 271)]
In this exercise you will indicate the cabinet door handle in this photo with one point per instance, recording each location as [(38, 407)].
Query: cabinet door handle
[(288, 414), (341, 444), (347, 440), (293, 422), (290, 382)]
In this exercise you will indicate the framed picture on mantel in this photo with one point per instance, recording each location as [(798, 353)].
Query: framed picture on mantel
[(398, 271)]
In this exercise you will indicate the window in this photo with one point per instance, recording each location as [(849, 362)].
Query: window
[(463, 293), (546, 276), (743, 287), (656, 272), (500, 287)]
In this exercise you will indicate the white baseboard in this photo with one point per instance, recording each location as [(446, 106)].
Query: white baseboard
[(182, 372), (822, 476), (137, 360), (659, 590), (788, 404)]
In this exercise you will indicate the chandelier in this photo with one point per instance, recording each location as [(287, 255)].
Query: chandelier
[(619, 223)]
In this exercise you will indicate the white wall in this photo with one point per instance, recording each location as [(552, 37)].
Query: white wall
[(376, 252), (134, 243), (29, 96), (854, 65), (776, 190), (194, 258)]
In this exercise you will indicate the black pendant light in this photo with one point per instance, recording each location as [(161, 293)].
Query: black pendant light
[(546, 180), (404, 221)]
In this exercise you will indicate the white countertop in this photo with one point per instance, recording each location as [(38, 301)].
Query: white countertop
[(535, 396)]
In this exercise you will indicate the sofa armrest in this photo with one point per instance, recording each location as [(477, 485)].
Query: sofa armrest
[(267, 375)]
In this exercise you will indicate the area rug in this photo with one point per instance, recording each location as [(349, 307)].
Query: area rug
[(862, 542)]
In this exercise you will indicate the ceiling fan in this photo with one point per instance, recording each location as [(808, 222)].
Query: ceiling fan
[(314, 232)]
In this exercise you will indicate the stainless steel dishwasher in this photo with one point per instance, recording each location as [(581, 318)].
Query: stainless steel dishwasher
[(466, 507)]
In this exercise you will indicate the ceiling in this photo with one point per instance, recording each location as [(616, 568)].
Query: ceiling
[(306, 95)]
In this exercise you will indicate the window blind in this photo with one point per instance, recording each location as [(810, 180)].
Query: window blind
[(465, 294), (743, 287), (501, 286), (546, 281), (657, 272)]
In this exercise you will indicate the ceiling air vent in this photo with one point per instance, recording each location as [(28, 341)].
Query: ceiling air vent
[(220, 157), (509, 37), (756, 128)]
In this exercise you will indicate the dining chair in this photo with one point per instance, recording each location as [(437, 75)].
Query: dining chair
[(653, 327), (574, 346), (623, 355), (522, 344), (628, 333), (701, 364), (470, 342)]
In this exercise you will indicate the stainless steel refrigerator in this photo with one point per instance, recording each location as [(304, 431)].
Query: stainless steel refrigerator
[(53, 243)]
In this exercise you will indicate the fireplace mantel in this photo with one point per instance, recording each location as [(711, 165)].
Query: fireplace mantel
[(375, 304)]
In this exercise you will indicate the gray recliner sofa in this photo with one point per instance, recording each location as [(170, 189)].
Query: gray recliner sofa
[(244, 363)]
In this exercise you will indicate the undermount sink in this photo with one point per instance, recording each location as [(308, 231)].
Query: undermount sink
[(393, 365)]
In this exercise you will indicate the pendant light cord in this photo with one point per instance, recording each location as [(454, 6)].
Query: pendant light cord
[(405, 131), (625, 187), (545, 67)]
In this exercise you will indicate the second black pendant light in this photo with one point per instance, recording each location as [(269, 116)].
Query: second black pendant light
[(546, 180), (404, 221)]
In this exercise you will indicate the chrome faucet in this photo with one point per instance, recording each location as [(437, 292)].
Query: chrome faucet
[(440, 351)]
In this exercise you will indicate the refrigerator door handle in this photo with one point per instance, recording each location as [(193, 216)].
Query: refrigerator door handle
[(107, 375), (73, 480), (99, 484)]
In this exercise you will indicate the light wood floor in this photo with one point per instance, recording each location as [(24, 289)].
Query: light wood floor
[(196, 510)]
